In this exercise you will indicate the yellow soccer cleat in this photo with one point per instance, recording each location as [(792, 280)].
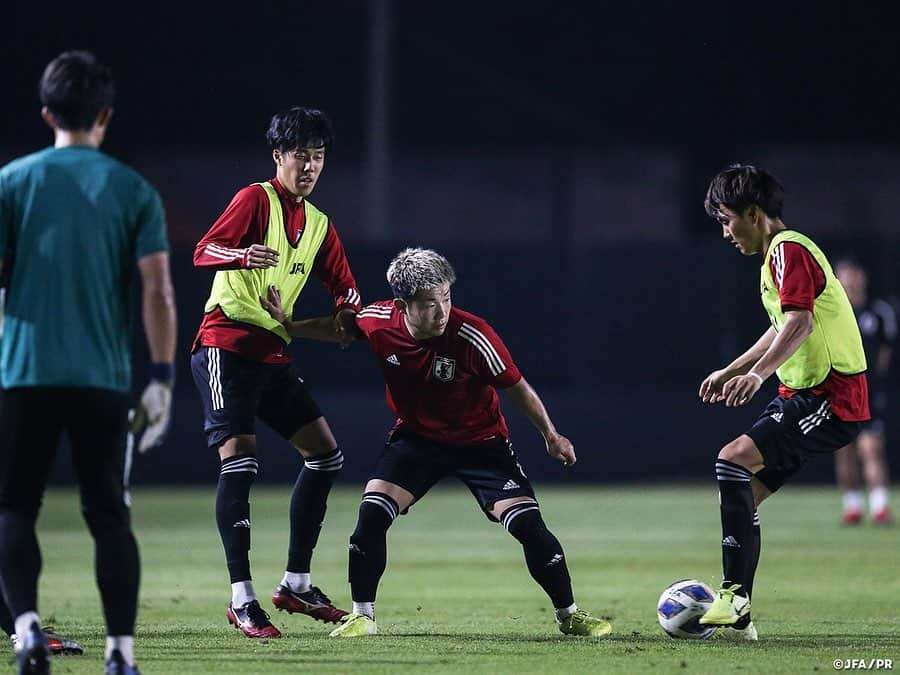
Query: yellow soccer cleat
[(582, 623), (727, 608), (739, 634), (354, 625)]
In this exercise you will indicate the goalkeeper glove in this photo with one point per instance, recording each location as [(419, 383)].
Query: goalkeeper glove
[(155, 408)]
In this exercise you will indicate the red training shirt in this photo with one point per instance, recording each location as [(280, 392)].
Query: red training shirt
[(800, 280), (224, 247), (444, 388)]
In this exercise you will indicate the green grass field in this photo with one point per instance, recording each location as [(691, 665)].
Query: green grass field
[(457, 596)]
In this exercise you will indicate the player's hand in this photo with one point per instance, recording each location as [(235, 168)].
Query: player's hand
[(154, 411), (345, 326), (561, 448), (272, 304), (711, 387), (739, 390), (258, 256)]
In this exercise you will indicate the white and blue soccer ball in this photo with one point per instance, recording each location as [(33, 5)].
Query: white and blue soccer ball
[(680, 607)]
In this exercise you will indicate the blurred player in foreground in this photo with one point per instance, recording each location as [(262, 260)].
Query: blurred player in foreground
[(878, 326), (442, 367), (76, 227), (270, 234), (814, 346)]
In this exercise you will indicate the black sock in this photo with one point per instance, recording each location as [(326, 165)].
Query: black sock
[(233, 513), (754, 557), (368, 545), (736, 506), (543, 552), (20, 562), (308, 503)]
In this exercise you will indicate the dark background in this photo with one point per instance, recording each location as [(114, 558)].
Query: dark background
[(558, 154)]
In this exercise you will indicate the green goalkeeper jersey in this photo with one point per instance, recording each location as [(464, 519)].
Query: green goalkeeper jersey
[(73, 224)]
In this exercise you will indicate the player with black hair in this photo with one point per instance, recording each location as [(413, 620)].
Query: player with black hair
[(270, 233), (76, 228), (814, 346)]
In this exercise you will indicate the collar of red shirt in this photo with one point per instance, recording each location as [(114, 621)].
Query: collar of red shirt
[(287, 199)]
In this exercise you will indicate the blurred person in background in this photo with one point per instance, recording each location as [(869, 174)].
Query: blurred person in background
[(812, 344), (76, 228), (878, 326), (270, 233)]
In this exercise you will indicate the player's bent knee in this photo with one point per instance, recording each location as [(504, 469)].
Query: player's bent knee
[(238, 446), (742, 451)]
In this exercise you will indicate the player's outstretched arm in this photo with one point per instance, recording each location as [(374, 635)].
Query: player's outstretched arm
[(798, 324), (712, 385), (527, 400), (318, 328)]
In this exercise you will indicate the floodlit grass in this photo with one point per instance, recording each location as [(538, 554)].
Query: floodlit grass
[(457, 596)]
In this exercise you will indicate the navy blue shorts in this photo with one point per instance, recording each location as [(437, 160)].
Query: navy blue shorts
[(235, 391), (790, 430), (491, 472)]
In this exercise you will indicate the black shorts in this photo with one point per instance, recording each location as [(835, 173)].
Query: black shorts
[(873, 426), (491, 472), (235, 391), (791, 429)]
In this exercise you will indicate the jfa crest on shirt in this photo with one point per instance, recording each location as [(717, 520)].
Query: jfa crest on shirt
[(444, 387), (444, 368)]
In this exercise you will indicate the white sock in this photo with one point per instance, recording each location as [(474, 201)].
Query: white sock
[(563, 613), (366, 608), (878, 499), (242, 592), (853, 500), (299, 582), (24, 623), (125, 645)]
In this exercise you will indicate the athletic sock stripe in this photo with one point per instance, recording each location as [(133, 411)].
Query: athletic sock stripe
[(240, 465), (756, 519), (333, 461), (518, 512), (517, 508), (477, 338), (729, 471), (384, 502)]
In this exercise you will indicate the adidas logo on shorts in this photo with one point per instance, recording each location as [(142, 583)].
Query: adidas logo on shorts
[(511, 485), (777, 416)]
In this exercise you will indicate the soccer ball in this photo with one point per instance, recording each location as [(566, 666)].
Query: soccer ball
[(680, 607)]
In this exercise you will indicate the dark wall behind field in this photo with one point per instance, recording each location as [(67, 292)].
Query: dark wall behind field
[(557, 155)]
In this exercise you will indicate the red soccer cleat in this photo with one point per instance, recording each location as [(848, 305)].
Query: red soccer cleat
[(852, 517), (883, 517), (60, 646), (252, 621), (313, 603)]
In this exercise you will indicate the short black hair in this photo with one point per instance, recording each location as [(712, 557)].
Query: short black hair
[(299, 127), (75, 87), (741, 185)]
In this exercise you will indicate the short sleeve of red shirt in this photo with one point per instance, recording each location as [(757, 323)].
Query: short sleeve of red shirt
[(374, 316), (797, 276), (491, 358)]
